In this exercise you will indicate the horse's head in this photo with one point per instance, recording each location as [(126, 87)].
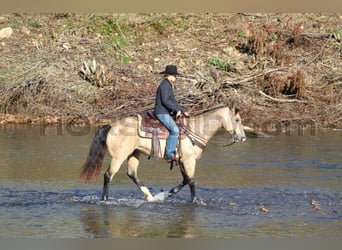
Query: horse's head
[(234, 126), (238, 131), (209, 122)]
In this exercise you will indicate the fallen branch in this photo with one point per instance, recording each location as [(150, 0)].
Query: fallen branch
[(253, 77), (280, 100), (321, 51), (316, 35)]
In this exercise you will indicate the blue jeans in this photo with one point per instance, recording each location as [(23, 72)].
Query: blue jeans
[(171, 141)]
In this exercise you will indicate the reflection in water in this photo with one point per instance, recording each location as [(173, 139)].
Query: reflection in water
[(41, 194), (184, 225), (107, 221)]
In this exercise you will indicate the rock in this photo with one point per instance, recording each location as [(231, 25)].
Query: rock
[(2, 19), (25, 30), (6, 32), (66, 46), (145, 67), (316, 207), (231, 51), (263, 209), (313, 202)]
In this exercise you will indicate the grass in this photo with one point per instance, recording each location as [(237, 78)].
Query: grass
[(36, 24), (114, 29), (125, 59), (221, 64), (337, 34), (161, 24)]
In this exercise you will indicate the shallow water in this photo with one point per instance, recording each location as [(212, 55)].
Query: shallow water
[(260, 188)]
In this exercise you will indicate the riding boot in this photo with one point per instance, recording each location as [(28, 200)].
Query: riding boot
[(175, 158)]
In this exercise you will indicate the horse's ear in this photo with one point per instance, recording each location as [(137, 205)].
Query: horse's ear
[(235, 109)]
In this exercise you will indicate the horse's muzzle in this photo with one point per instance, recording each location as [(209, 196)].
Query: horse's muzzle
[(239, 138)]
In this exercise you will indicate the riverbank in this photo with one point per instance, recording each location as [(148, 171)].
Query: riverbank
[(279, 69), (53, 120)]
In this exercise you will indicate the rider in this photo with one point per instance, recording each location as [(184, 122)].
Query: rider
[(167, 106)]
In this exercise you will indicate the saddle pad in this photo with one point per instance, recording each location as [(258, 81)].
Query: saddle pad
[(149, 125)]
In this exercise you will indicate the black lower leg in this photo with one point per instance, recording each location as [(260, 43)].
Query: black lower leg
[(192, 190), (186, 180), (106, 180), (136, 180), (176, 189), (190, 181)]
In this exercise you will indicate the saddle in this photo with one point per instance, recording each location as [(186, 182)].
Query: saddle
[(150, 127)]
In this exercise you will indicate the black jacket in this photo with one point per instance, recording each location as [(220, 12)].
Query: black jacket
[(166, 102)]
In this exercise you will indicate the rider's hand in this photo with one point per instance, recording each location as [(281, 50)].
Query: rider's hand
[(179, 114)]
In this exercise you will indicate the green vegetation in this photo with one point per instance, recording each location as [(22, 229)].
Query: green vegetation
[(240, 33), (125, 59), (113, 29), (161, 24), (222, 64), (36, 24)]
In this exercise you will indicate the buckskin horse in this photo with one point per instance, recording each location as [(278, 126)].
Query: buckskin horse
[(123, 141)]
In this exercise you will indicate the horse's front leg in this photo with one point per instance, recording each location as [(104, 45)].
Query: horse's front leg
[(176, 189), (133, 163), (187, 172)]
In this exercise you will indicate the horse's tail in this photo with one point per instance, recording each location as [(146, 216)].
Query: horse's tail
[(92, 167)]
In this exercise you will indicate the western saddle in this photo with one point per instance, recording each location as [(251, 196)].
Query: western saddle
[(149, 125)]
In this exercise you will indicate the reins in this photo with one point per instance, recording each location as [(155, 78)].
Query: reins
[(231, 142), (195, 137), (191, 135), (201, 139)]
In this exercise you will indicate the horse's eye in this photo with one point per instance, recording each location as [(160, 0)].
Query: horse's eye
[(237, 120)]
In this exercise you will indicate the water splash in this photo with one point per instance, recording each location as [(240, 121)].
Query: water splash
[(161, 196)]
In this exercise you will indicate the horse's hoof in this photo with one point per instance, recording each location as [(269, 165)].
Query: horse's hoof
[(198, 201)]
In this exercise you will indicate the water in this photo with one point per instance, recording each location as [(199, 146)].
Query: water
[(261, 188)]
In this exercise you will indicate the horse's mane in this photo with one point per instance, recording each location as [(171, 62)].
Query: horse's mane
[(204, 111), (201, 112)]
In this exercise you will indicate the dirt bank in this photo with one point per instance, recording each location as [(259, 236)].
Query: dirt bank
[(279, 69)]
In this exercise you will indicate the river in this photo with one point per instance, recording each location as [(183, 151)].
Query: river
[(282, 186)]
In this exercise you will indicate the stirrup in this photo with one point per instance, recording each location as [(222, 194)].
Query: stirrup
[(172, 159), (173, 163), (176, 158)]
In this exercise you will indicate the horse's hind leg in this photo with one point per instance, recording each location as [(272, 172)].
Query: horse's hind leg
[(192, 190), (108, 176), (132, 172), (106, 180)]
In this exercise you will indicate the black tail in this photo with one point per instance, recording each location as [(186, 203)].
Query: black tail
[(92, 167)]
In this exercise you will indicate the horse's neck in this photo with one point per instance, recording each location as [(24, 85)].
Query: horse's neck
[(205, 125)]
